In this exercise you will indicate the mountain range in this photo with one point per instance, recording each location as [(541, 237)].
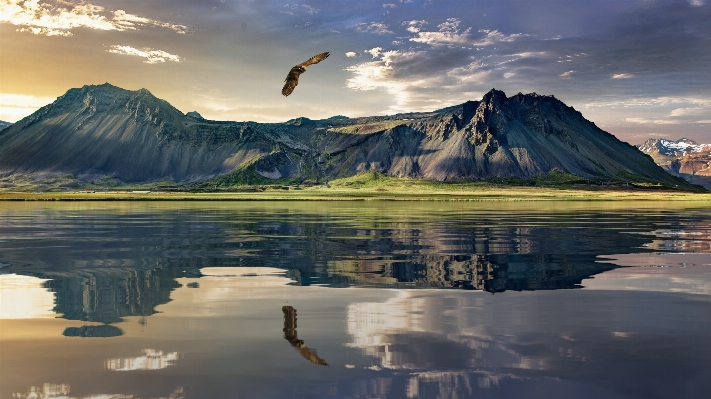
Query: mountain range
[(4, 124), (684, 158), (104, 132)]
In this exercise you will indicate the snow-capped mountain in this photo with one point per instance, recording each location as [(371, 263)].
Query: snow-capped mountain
[(684, 158), (673, 148)]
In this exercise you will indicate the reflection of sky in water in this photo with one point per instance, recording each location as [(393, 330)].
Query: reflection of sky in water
[(24, 297), (62, 391), (217, 291), (664, 272), (386, 344), (151, 360)]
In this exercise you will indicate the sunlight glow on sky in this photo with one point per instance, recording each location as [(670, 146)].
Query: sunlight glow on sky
[(637, 68)]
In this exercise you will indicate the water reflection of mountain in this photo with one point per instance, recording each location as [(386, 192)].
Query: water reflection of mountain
[(493, 273), (101, 331), (470, 254), (106, 295), (106, 265)]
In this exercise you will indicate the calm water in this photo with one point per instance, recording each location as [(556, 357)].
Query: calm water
[(354, 300)]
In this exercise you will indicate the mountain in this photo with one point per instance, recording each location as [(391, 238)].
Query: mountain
[(684, 158), (4, 124), (100, 132)]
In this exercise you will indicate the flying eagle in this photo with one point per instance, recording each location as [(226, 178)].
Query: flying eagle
[(292, 79)]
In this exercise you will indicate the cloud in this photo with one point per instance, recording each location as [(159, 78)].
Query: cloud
[(622, 76), (414, 26), (375, 52), (389, 5), (450, 34), (690, 111), (652, 121), (378, 74), (705, 121), (305, 8), (133, 22), (48, 20), (415, 78), (351, 54), (651, 102), (152, 56), (696, 3), (378, 28), (566, 75)]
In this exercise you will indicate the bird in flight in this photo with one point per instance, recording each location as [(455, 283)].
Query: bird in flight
[(292, 79)]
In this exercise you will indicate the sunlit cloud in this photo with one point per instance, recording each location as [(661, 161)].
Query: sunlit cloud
[(414, 26), (395, 71), (622, 76), (14, 107), (417, 77), (59, 20), (652, 121), (375, 52), (152, 56), (351, 54), (450, 34), (690, 111)]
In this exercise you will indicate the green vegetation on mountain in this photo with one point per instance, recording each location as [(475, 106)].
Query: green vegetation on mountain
[(99, 137)]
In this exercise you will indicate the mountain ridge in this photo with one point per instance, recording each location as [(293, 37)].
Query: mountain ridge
[(104, 131), (683, 158)]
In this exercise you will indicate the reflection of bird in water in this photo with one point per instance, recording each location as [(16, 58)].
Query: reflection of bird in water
[(290, 335), (292, 79)]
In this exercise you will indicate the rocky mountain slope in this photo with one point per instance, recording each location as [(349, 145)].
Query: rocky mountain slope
[(99, 132), (684, 158), (4, 124)]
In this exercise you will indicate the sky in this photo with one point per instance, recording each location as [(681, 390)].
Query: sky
[(639, 69)]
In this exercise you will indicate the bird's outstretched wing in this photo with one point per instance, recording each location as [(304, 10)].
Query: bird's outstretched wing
[(292, 79), (315, 59)]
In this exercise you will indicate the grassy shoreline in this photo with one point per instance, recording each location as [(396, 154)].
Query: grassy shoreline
[(322, 193), (376, 186)]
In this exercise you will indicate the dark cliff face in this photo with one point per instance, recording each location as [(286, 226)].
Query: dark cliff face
[(105, 131)]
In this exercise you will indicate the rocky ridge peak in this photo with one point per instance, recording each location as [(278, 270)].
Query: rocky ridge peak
[(673, 148), (195, 115), (102, 126)]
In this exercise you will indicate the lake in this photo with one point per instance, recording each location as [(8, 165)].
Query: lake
[(355, 299)]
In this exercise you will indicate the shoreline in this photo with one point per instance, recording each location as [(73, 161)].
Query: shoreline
[(489, 194)]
